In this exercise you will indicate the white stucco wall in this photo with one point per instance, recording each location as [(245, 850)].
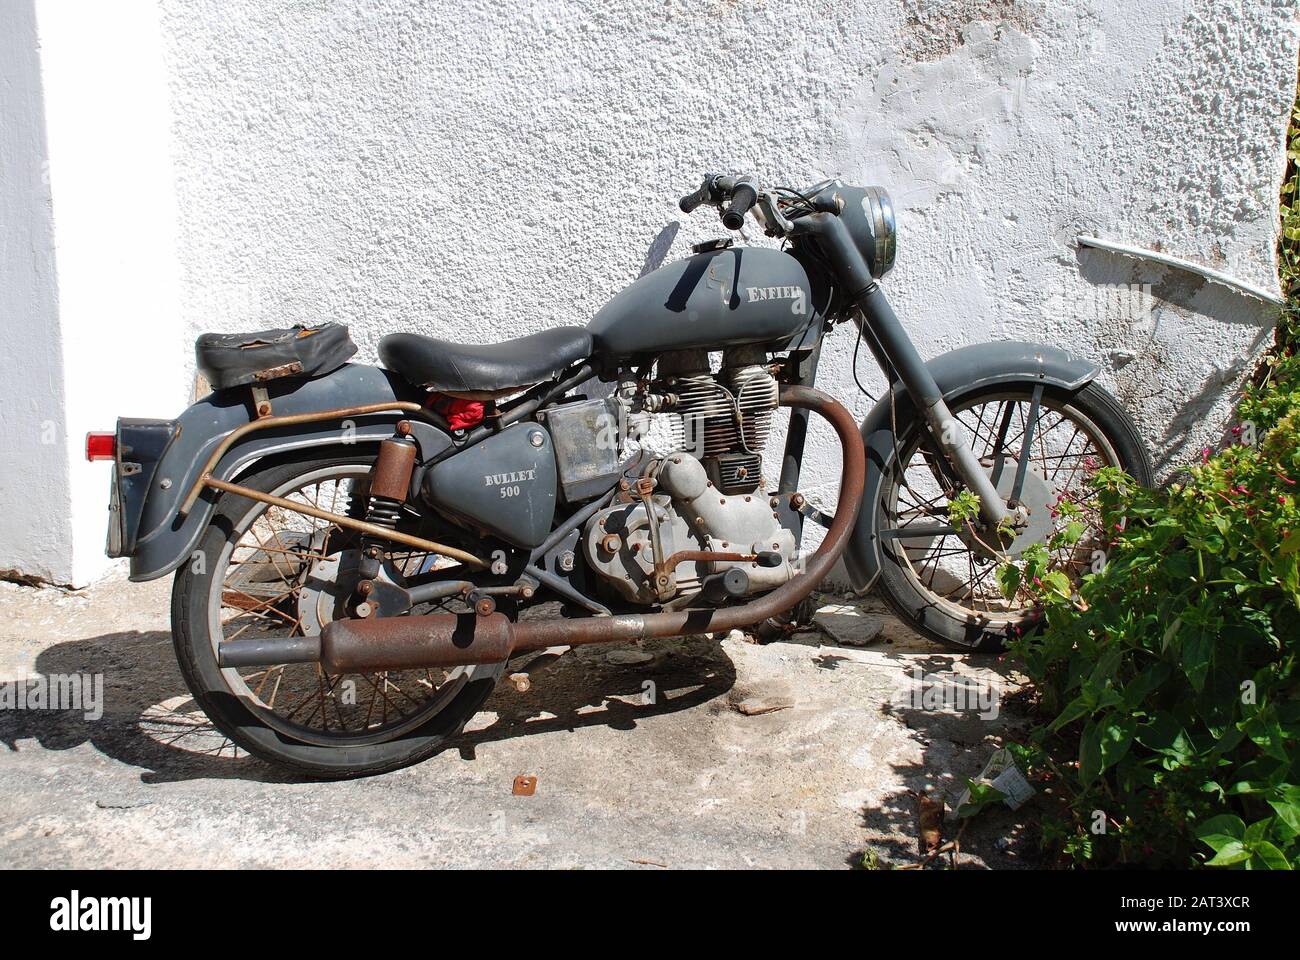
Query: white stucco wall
[(479, 170), (89, 315), (35, 529)]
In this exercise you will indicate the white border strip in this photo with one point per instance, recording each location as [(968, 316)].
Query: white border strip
[(1213, 275)]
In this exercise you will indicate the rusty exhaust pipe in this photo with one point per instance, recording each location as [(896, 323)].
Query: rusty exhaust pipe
[(445, 640)]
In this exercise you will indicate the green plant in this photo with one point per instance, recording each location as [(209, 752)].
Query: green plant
[(1170, 680)]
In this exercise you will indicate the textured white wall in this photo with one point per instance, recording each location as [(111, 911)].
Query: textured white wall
[(481, 170), (88, 300), (35, 530)]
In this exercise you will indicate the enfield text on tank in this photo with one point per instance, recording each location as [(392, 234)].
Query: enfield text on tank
[(354, 546)]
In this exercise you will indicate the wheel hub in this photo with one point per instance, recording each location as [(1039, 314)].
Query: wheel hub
[(1031, 515)]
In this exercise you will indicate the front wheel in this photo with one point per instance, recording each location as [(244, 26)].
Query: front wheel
[(943, 581), (264, 571)]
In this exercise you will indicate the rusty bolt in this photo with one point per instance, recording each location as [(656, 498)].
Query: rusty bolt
[(404, 428), (611, 542), (624, 485), (796, 500), (521, 682), (364, 587), (526, 592), (485, 606), (567, 561), (263, 409)]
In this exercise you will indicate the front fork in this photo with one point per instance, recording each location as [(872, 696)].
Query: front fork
[(891, 340), (897, 356)]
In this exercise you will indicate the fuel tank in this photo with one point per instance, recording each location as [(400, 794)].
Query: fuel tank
[(720, 297)]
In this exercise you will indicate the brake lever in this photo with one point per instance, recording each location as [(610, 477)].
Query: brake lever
[(774, 221)]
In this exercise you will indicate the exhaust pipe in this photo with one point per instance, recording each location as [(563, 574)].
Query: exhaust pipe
[(446, 640)]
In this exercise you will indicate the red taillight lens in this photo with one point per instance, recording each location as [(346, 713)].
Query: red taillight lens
[(101, 446)]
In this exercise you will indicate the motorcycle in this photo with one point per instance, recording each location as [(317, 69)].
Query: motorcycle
[(354, 547)]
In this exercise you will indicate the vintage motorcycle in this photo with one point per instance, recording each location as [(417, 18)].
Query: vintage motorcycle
[(354, 547)]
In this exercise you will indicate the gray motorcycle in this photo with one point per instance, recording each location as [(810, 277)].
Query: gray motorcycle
[(355, 547)]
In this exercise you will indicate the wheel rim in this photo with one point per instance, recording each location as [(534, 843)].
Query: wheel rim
[(256, 590), (956, 574)]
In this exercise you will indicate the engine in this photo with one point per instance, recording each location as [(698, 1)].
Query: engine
[(698, 521)]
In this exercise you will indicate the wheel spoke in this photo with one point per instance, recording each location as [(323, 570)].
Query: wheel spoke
[(267, 582)]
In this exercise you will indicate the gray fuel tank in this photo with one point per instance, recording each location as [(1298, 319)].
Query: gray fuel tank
[(712, 299)]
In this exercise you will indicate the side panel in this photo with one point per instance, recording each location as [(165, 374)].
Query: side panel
[(164, 541), (956, 373), (505, 485), (722, 297)]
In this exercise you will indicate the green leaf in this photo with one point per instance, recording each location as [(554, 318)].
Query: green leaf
[(981, 796), (1270, 856), (1058, 586), (1288, 812), (1076, 708), (1104, 743), (1232, 852), (1169, 633), (1218, 832), (1166, 736), (1291, 544), (1008, 580), (1198, 652)]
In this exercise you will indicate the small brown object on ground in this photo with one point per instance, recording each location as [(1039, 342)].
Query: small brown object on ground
[(930, 821), (525, 786)]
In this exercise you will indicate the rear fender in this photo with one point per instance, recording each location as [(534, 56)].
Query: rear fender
[(163, 540), (957, 373)]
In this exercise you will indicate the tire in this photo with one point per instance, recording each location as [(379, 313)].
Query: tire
[(921, 605), (241, 714)]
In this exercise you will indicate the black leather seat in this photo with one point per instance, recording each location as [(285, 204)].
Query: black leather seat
[(468, 368)]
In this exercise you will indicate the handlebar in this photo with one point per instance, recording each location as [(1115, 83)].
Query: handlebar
[(689, 202), (743, 197), (717, 190)]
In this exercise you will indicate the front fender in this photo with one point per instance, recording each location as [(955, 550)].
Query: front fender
[(958, 372), (164, 540)]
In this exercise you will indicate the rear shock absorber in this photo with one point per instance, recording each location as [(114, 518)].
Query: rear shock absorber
[(390, 481)]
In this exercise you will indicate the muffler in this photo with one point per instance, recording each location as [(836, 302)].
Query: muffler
[(446, 640)]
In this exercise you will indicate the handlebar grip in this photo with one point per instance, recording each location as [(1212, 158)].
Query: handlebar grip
[(742, 198), (693, 200)]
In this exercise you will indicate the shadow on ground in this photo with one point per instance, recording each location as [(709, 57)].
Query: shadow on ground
[(150, 721), (954, 747)]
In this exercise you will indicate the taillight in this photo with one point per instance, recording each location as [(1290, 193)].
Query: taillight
[(101, 446)]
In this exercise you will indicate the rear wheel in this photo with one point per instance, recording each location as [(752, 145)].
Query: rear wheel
[(264, 571), (945, 583)]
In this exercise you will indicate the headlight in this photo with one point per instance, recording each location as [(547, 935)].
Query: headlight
[(882, 243), (869, 214)]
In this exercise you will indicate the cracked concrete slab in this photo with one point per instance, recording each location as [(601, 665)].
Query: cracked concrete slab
[(823, 764)]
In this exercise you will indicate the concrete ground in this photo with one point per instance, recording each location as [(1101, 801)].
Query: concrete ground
[(801, 753)]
